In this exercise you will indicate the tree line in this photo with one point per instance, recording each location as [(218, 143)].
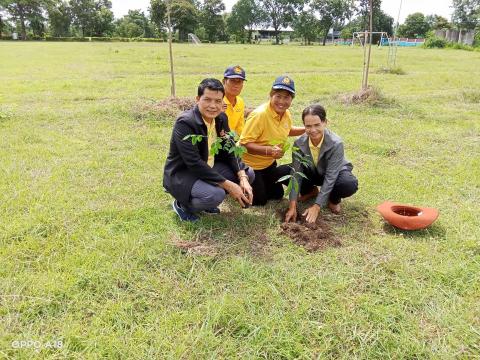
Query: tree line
[(310, 19)]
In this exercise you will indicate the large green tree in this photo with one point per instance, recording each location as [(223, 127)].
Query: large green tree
[(25, 11), (245, 15), (59, 18), (307, 26), (134, 24), (2, 22), (37, 24), (466, 14), (211, 18), (381, 22), (93, 17), (183, 14), (280, 13), (332, 12), (363, 12), (415, 25), (6, 26), (437, 22)]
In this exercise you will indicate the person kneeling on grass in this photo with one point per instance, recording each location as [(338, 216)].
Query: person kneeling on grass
[(328, 167), (266, 130), (196, 178)]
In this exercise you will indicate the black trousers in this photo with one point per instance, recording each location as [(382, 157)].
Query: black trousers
[(345, 186), (265, 186)]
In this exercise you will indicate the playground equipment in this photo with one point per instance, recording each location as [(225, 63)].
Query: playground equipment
[(361, 37), (193, 39), (393, 45)]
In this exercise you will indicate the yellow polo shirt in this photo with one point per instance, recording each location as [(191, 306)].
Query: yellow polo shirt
[(212, 137), (235, 114), (263, 127), (315, 150)]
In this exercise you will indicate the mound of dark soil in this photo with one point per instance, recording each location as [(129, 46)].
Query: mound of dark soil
[(313, 237)]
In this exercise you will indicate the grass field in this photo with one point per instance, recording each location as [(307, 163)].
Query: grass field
[(87, 237)]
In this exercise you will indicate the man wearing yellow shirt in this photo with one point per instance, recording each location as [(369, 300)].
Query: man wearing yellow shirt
[(328, 167), (266, 129), (233, 79)]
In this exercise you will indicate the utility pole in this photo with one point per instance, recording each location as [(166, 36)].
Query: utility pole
[(172, 88), (366, 67)]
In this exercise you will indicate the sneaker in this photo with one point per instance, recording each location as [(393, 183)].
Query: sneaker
[(214, 211), (182, 213)]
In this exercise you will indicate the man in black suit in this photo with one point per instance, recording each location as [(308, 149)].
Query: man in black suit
[(197, 178)]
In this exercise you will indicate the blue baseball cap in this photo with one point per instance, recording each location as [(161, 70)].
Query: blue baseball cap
[(234, 72), (284, 82)]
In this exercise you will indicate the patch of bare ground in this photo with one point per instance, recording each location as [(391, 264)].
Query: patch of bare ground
[(470, 96), (259, 244), (196, 248), (391, 70), (370, 96), (328, 231), (312, 236), (168, 108), (225, 241)]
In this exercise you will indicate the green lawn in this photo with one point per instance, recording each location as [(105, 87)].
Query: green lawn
[(87, 237)]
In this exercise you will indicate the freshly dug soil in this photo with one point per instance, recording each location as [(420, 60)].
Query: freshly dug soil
[(313, 237)]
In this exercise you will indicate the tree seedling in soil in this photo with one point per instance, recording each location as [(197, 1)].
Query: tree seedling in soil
[(228, 142), (294, 175)]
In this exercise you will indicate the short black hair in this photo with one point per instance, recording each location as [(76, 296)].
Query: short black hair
[(211, 84), (317, 110)]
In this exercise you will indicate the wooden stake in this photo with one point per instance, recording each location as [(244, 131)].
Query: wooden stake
[(365, 84), (172, 74)]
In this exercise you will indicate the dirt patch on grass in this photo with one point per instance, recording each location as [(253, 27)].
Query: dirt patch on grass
[(166, 109), (196, 248), (391, 70), (313, 237), (217, 239), (470, 96), (370, 96), (259, 245)]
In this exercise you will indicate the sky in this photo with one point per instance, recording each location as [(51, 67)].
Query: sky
[(391, 7)]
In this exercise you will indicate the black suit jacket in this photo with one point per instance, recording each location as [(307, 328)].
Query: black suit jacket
[(187, 163)]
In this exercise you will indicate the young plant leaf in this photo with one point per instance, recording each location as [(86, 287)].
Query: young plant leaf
[(216, 147), (289, 187), (283, 178), (301, 174)]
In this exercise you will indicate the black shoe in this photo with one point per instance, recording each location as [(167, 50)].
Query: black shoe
[(182, 213), (214, 211)]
